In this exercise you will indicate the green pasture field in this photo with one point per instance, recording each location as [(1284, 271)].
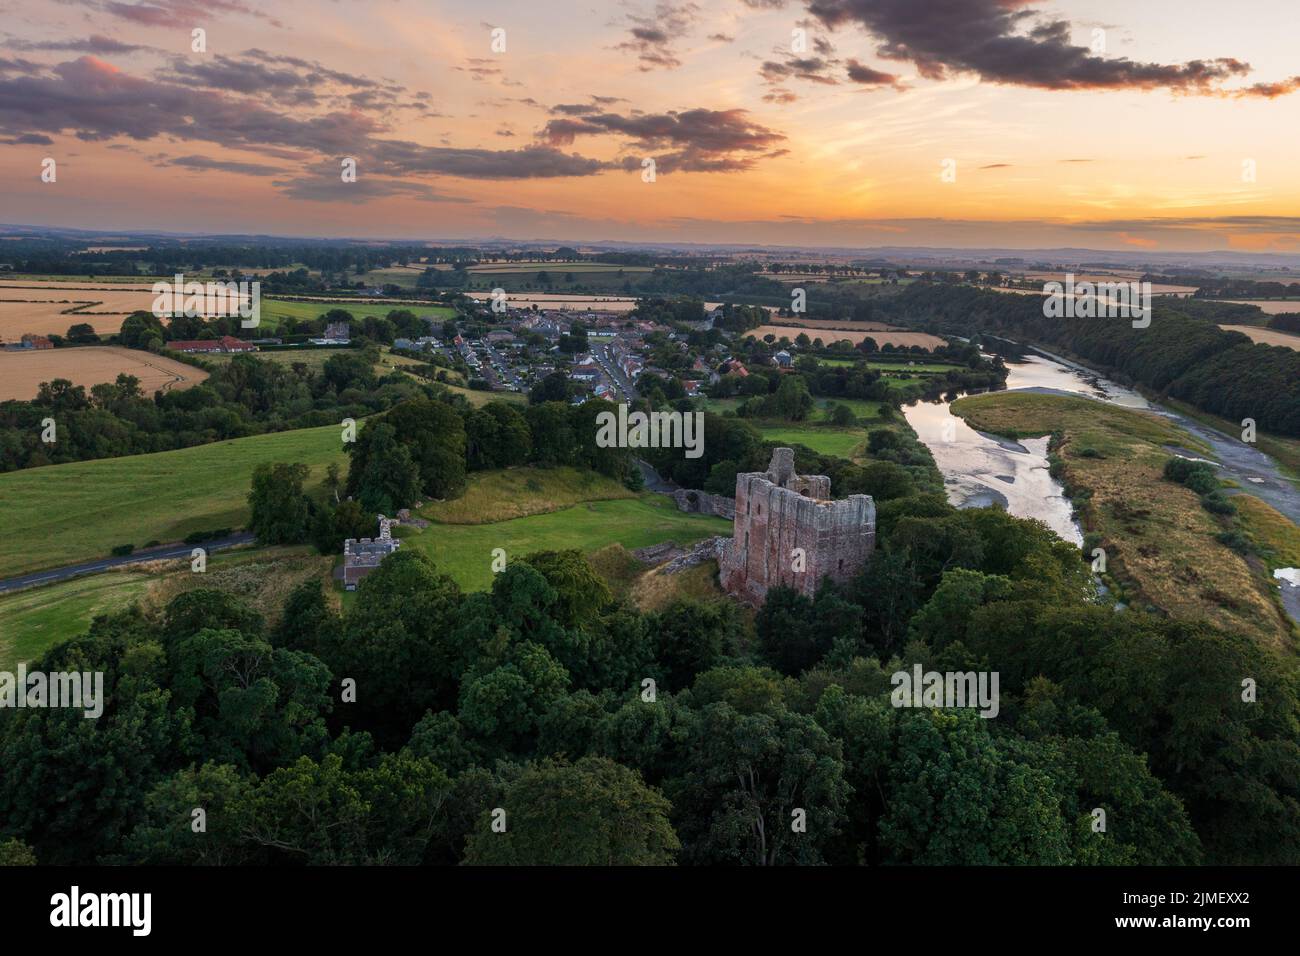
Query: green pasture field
[(65, 514)]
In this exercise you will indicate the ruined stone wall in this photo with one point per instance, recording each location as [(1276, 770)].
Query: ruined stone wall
[(786, 532), (694, 501)]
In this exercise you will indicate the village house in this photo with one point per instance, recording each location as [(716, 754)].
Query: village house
[(30, 341), (226, 344)]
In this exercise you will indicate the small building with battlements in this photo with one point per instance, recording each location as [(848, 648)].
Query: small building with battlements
[(363, 555), (789, 531)]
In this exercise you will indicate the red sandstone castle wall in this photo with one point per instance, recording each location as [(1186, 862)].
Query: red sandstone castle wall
[(837, 537)]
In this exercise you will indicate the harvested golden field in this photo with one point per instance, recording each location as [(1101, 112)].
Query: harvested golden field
[(1268, 336), (854, 333), (1267, 306), (21, 373), (845, 325), (43, 308), (112, 283), (1160, 543)]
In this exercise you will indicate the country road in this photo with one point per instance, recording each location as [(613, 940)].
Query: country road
[(162, 552)]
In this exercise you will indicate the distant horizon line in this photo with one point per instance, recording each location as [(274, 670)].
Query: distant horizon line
[(70, 232)]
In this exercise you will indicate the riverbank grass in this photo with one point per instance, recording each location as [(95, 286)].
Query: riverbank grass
[(1162, 546)]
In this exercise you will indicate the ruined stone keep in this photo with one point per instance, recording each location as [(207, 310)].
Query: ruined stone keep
[(788, 531)]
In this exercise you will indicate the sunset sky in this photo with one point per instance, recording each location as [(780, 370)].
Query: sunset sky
[(1093, 123)]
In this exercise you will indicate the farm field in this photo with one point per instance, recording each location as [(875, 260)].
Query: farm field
[(843, 324), (861, 407), (563, 303), (21, 373), (313, 358), (45, 308), (1267, 336), (554, 267), (882, 336), (465, 551), (1157, 288), (62, 514), (1161, 544), (1267, 306), (273, 310), (116, 283)]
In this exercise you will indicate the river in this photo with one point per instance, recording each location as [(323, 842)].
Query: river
[(981, 469)]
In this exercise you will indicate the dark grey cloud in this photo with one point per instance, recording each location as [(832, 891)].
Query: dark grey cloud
[(698, 140), (287, 80), (398, 158), (28, 139), (1004, 41), (96, 102), (175, 13), (323, 183), (481, 68), (651, 38), (19, 65), (780, 96), (204, 163), (865, 75), (815, 69), (95, 43)]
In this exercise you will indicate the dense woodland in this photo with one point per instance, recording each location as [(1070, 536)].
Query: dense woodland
[(534, 697)]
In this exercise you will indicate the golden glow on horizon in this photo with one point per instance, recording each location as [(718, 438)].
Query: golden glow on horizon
[(1138, 169)]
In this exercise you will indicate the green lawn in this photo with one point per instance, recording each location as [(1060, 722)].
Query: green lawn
[(519, 492), (890, 366), (273, 310), (34, 620), (465, 551), (64, 514), (840, 442)]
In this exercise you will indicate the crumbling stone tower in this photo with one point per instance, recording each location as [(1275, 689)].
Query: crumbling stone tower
[(787, 531)]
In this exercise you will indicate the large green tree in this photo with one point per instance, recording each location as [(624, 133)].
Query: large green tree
[(590, 813)]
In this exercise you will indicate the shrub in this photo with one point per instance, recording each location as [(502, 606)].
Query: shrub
[(122, 550), (1216, 503), (1235, 540), (198, 536), (1202, 482), (1180, 469)]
